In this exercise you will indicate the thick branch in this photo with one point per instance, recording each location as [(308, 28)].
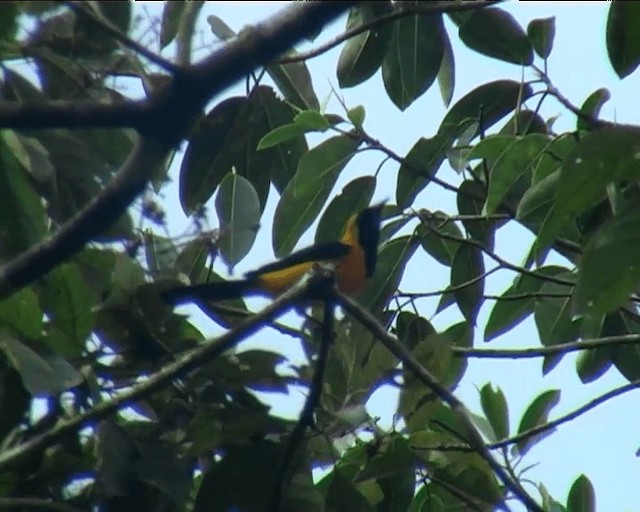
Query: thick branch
[(165, 120)]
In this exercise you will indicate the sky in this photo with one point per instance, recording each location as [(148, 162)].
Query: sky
[(600, 444)]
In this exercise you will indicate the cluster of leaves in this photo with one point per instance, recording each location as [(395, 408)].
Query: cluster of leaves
[(95, 326)]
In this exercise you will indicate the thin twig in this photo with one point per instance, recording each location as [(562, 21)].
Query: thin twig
[(311, 403), (592, 121), (106, 26), (563, 348), (425, 9)]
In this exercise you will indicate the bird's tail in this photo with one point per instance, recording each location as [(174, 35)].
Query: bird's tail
[(219, 290)]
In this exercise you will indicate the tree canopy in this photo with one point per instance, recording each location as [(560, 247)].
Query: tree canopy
[(112, 400)]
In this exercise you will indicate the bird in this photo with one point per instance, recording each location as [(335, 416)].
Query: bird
[(354, 255)]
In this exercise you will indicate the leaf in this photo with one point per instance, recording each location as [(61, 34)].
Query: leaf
[(362, 55), (442, 249), (294, 82), (537, 201), (623, 45), (355, 196), (419, 166), (227, 137), (413, 60), (537, 414), (447, 73), (489, 102), (281, 134), (582, 497), (219, 28), (412, 329), (592, 364), (541, 33), (507, 312), (524, 122), (20, 314), (238, 209), (22, 215), (68, 300), (357, 115), (496, 33), (467, 271), (41, 373), (610, 266), (392, 259), (516, 161), (171, 16), (606, 155), (496, 410), (592, 106), (306, 193), (470, 202)]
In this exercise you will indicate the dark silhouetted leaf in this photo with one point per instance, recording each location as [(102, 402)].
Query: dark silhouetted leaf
[(496, 33), (467, 272), (623, 45), (592, 106), (537, 414), (306, 193), (541, 33), (413, 60)]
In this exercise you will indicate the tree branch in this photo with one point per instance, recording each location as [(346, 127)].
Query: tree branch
[(165, 120), (311, 403), (563, 348), (182, 364), (424, 9), (403, 354)]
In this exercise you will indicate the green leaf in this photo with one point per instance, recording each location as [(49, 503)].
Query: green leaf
[(238, 209), (496, 33), (42, 373), (495, 409), (623, 45), (355, 196), (312, 120), (524, 122), (515, 305), (22, 215), (356, 115), (593, 364), (20, 314), (362, 55), (489, 102), (219, 28), (413, 60), (516, 161), (442, 249), (294, 82), (604, 156), (582, 497), (467, 272), (470, 200), (447, 73), (610, 267), (537, 414), (537, 201), (392, 259), (419, 166), (9, 21), (281, 134), (171, 16), (227, 137), (592, 106), (412, 329), (306, 193), (541, 33), (69, 300)]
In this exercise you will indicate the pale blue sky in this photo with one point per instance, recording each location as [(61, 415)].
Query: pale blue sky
[(600, 444)]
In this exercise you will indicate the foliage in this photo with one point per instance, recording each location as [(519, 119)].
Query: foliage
[(94, 327)]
